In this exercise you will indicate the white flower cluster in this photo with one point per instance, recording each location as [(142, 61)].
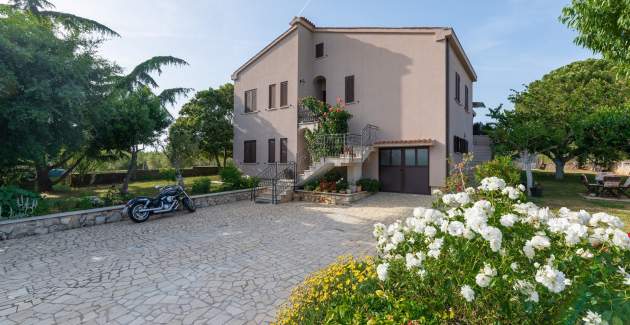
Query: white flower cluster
[(533, 235)]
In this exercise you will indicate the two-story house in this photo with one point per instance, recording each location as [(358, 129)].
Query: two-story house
[(409, 90)]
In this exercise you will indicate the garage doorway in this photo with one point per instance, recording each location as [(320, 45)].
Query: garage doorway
[(404, 170)]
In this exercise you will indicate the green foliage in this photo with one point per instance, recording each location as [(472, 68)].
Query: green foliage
[(341, 185), (330, 120), (370, 185), (231, 177), (602, 26), (62, 188), (207, 119), (605, 133), (113, 196), (548, 112), (201, 185), (311, 185), (183, 144), (168, 174), (249, 181), (502, 167), (11, 198)]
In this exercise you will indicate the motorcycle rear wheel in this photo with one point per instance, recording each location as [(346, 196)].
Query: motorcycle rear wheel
[(189, 204), (137, 216)]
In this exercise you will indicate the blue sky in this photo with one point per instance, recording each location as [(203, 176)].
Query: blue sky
[(509, 42)]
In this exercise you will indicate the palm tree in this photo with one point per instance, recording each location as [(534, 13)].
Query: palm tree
[(140, 79), (71, 22)]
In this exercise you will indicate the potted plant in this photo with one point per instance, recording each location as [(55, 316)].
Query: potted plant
[(536, 190)]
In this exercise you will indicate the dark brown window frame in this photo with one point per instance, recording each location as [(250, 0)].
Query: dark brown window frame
[(249, 94), (271, 150), (466, 98), (458, 85), (319, 50), (249, 156), (284, 94), (460, 145), (349, 83), (272, 96), (284, 150)]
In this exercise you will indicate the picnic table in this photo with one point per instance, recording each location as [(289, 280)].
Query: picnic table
[(607, 185)]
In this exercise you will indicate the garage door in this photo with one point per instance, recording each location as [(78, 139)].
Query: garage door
[(404, 170)]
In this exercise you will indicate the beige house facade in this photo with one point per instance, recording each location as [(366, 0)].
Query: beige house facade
[(409, 90)]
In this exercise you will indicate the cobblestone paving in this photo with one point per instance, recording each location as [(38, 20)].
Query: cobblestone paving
[(229, 264)]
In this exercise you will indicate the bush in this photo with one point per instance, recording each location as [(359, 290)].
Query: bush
[(168, 174), (249, 181), (201, 185), (502, 167), (311, 185), (341, 185), (16, 202), (370, 185), (61, 188), (231, 177), (482, 257)]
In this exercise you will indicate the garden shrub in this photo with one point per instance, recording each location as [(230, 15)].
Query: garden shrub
[(249, 181), (484, 256), (502, 167), (231, 177), (370, 185), (168, 174), (341, 185), (13, 202), (201, 185), (61, 188), (311, 185)]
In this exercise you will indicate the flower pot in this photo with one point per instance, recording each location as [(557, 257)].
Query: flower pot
[(536, 191)]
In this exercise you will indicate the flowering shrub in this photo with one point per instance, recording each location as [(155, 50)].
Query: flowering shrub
[(485, 256), (490, 257)]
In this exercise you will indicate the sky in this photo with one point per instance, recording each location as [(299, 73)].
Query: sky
[(509, 42)]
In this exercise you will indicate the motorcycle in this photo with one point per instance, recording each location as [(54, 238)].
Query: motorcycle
[(141, 208)]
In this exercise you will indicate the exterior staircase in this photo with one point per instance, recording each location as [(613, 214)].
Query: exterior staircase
[(276, 184)]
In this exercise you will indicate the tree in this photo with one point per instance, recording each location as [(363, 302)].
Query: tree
[(515, 134), (606, 132), (182, 146), (603, 26), (557, 102), (68, 21), (210, 114), (137, 117), (48, 85)]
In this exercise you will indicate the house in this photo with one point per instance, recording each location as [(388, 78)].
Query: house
[(409, 90)]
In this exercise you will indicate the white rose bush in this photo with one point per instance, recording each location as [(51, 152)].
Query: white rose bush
[(486, 256)]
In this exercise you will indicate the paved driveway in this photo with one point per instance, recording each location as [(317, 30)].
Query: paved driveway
[(233, 263)]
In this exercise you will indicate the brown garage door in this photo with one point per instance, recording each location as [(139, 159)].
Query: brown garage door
[(404, 170)]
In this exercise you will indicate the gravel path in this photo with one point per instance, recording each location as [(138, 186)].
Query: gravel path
[(228, 264)]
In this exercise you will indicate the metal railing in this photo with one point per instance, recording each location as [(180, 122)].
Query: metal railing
[(269, 179), (343, 145), (305, 115)]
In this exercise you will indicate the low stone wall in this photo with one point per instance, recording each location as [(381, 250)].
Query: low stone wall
[(329, 198), (17, 228)]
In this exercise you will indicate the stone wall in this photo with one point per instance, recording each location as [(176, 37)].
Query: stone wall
[(10, 229), (329, 198)]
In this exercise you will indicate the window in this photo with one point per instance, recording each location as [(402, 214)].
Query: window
[(349, 89), (396, 157), (410, 157), (250, 152), (271, 150), (272, 96), (466, 107), (457, 86), (460, 145), (250, 101), (284, 92), (385, 159), (283, 150), (422, 157), (319, 50)]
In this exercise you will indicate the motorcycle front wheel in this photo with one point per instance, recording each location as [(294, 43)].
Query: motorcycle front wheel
[(189, 204), (136, 216)]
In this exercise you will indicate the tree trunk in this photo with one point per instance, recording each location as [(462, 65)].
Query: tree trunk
[(216, 158), (130, 171), (69, 170), (527, 165), (559, 168), (44, 183), (224, 156)]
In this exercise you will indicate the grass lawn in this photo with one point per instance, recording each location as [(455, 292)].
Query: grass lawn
[(143, 188), (566, 193)]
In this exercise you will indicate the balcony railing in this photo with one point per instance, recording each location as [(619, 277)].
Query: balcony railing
[(305, 115)]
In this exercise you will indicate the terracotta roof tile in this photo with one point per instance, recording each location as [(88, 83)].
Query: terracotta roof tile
[(425, 142)]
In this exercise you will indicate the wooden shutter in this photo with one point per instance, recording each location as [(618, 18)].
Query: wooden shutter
[(283, 150), (466, 98), (250, 100), (272, 150), (319, 50), (349, 89), (284, 93), (457, 86), (272, 96), (250, 151)]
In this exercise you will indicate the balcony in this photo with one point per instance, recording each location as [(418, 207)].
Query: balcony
[(305, 116)]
